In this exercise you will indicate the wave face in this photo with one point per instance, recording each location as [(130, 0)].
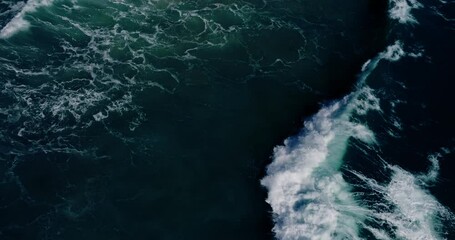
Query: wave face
[(340, 178)]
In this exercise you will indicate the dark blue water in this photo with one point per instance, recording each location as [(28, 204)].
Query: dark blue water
[(157, 119), (378, 163)]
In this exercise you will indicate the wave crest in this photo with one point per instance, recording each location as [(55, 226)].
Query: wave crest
[(18, 23)]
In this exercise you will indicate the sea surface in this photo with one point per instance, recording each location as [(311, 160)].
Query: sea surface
[(230, 119)]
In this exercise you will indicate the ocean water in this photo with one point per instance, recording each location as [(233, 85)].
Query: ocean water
[(378, 163), (165, 119)]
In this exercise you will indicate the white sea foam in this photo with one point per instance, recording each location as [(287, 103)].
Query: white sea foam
[(416, 211), (309, 197), (401, 10), (413, 214), (433, 172), (307, 192), (13, 7), (311, 200), (18, 23)]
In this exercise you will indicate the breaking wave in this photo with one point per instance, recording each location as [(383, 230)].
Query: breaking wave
[(307, 188), (307, 192), (19, 23)]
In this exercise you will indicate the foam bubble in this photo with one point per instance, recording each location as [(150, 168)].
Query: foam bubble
[(393, 52), (433, 171), (401, 10)]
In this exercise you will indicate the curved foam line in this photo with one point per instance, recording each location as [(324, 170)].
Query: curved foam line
[(18, 23)]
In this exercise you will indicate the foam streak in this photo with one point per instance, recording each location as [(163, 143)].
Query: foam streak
[(18, 23)]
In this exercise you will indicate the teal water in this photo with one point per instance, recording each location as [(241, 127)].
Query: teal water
[(156, 119)]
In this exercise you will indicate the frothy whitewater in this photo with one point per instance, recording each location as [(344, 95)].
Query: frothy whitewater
[(18, 23), (308, 193)]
